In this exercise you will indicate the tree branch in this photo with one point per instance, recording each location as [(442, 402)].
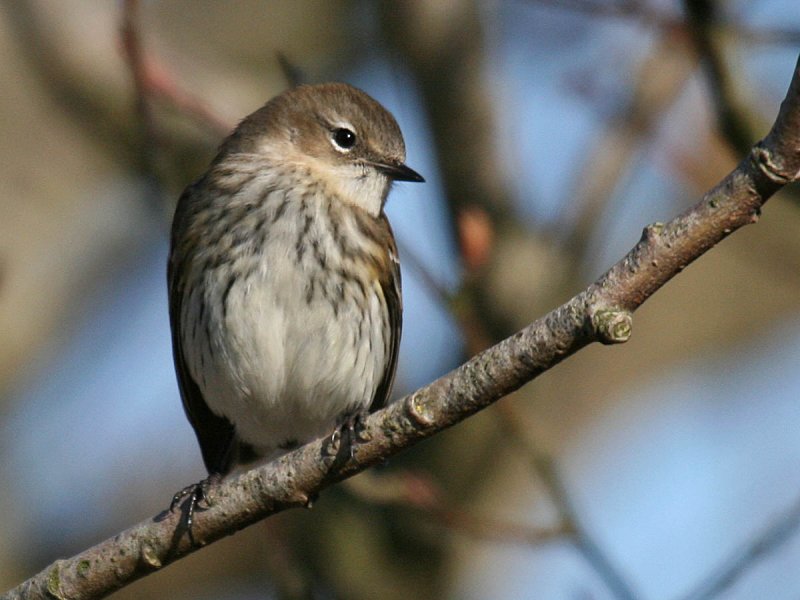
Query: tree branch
[(601, 313)]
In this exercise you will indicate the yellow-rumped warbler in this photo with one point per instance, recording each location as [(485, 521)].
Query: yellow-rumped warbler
[(284, 282)]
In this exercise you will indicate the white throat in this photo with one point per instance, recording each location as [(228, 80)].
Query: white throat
[(359, 185)]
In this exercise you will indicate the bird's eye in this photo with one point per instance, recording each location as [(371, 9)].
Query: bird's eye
[(344, 138)]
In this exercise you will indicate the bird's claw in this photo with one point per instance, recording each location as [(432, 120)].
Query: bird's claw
[(354, 426), (196, 493)]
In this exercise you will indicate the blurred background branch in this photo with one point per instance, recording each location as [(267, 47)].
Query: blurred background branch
[(762, 545), (547, 472)]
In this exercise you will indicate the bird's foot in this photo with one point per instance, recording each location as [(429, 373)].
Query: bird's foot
[(196, 493), (351, 430)]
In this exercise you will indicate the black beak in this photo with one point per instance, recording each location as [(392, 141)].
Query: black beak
[(399, 172)]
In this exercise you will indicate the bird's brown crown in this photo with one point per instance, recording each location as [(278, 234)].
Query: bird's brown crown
[(309, 117)]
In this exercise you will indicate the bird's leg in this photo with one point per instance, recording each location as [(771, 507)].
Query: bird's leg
[(196, 493), (354, 424)]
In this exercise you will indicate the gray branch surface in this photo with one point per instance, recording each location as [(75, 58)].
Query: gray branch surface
[(601, 313)]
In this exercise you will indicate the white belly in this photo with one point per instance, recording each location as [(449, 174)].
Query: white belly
[(283, 362)]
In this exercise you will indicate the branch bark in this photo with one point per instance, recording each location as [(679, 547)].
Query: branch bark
[(602, 312)]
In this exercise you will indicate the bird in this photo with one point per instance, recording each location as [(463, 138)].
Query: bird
[(284, 282)]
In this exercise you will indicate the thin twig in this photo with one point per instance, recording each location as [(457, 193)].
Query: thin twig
[(661, 77), (777, 533), (476, 337), (429, 281), (152, 79), (149, 142), (569, 517), (732, 118), (132, 47), (413, 490), (651, 16), (162, 84), (735, 122), (293, 74)]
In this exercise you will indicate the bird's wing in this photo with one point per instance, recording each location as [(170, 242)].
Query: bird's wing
[(394, 305), (216, 435)]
